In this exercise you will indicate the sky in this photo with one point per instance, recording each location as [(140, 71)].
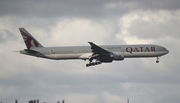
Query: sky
[(103, 22)]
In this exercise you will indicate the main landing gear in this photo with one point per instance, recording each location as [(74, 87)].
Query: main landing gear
[(157, 61), (93, 63)]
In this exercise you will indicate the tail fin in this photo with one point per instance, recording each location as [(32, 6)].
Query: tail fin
[(29, 40)]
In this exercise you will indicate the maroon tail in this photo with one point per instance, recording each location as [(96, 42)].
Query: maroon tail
[(29, 40)]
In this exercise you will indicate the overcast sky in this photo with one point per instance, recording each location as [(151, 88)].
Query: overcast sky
[(74, 22)]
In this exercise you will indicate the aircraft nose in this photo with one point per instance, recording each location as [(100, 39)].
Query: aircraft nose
[(167, 51)]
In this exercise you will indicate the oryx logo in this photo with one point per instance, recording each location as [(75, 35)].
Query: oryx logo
[(29, 41)]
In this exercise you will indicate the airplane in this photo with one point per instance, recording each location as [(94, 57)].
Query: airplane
[(94, 53)]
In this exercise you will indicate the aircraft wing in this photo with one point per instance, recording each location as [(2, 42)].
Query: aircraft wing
[(99, 54), (97, 50)]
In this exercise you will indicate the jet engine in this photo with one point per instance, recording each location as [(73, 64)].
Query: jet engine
[(110, 57), (117, 55)]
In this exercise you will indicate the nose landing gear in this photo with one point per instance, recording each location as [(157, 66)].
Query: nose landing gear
[(157, 61)]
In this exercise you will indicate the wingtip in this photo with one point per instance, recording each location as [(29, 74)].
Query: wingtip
[(21, 28)]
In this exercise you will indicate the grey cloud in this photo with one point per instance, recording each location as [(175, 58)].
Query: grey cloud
[(6, 35), (154, 29), (80, 8), (150, 4), (47, 8)]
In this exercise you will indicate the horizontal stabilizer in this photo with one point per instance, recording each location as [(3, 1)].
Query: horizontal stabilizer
[(30, 51)]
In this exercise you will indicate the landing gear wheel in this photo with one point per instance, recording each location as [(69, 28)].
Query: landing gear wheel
[(93, 63), (157, 60), (87, 65)]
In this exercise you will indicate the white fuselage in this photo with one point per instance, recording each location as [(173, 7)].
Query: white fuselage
[(85, 52)]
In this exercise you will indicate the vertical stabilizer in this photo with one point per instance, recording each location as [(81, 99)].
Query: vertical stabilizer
[(29, 40)]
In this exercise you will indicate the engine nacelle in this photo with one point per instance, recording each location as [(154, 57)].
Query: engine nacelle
[(117, 55), (105, 58), (110, 57)]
